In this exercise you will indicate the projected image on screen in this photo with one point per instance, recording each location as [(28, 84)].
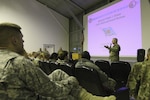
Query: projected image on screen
[(121, 20)]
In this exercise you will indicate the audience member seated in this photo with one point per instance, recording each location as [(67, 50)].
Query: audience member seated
[(20, 79), (33, 55), (45, 51), (63, 58), (40, 50), (139, 80), (60, 50), (39, 56), (46, 56), (53, 57), (108, 83)]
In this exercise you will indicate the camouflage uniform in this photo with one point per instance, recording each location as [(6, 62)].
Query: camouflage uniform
[(21, 80), (139, 81), (114, 53), (106, 81)]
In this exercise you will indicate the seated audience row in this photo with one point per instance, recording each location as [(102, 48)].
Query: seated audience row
[(137, 81), (20, 79)]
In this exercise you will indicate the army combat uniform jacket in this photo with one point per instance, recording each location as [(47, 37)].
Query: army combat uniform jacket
[(139, 81), (114, 53), (20, 79)]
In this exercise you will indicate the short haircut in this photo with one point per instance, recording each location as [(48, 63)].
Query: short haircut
[(54, 55), (8, 30), (86, 54), (116, 39), (62, 55), (6, 24)]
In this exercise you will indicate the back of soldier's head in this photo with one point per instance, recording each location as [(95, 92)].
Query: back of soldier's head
[(8, 30), (63, 55), (86, 55), (54, 55)]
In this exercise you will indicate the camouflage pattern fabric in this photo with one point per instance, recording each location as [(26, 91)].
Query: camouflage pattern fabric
[(114, 53), (144, 89), (139, 81), (134, 78), (24, 81), (106, 81)]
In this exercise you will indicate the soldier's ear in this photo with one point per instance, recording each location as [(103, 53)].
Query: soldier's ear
[(14, 40)]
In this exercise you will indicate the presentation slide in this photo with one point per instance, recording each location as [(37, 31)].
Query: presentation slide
[(120, 20)]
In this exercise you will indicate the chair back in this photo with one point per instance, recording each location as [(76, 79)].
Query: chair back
[(89, 79), (119, 71), (68, 69), (104, 65), (65, 68), (45, 67)]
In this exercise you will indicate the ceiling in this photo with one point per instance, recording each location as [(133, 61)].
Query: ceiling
[(70, 8)]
